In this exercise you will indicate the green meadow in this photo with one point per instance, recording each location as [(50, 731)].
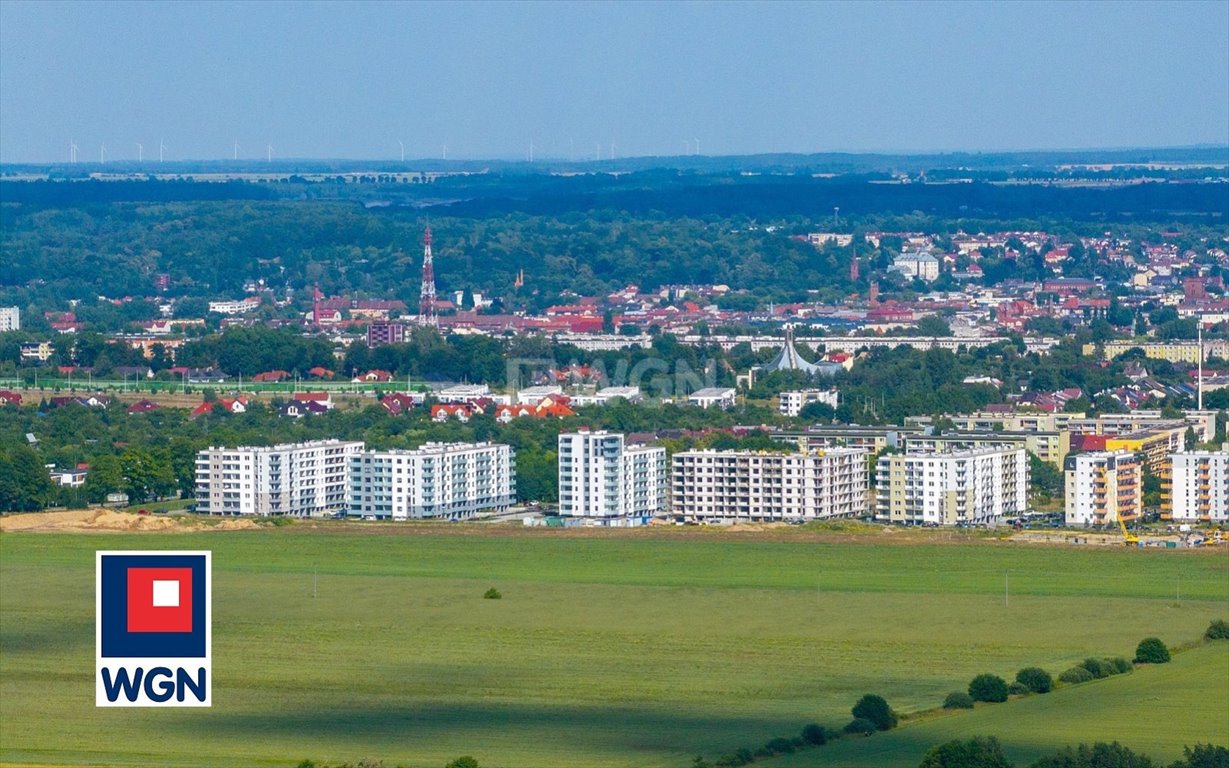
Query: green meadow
[(625, 649)]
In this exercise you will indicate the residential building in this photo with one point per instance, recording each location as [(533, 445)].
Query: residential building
[(970, 487), (1173, 351), (240, 307), (383, 332), (1103, 487), (296, 479), (917, 264), (452, 481), (792, 403), (1155, 445), (535, 395), (37, 350), (1051, 447), (745, 486), (601, 476), (1197, 489), (870, 439), (708, 397), (10, 319)]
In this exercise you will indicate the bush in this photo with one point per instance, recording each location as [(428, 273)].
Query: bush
[(861, 725), (814, 733), (988, 688), (977, 752), (780, 746), (463, 762), (1217, 630), (1035, 679), (1098, 668), (1018, 689), (492, 594), (735, 759), (958, 700), (1076, 675), (876, 709), (1151, 651), (1120, 665)]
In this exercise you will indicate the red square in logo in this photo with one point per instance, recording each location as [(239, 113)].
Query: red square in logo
[(159, 599)]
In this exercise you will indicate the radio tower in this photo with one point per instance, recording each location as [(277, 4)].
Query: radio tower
[(426, 297)]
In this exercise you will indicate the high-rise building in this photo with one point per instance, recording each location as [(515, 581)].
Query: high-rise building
[(452, 481), (10, 319), (1103, 487), (792, 403), (952, 487), (296, 479), (1198, 487), (724, 486), (601, 476)]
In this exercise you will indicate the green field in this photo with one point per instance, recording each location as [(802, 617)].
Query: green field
[(614, 649)]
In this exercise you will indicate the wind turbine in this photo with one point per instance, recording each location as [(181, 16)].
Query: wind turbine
[(102, 153), (531, 150), (235, 154), (697, 146), (445, 151), (402, 145), (269, 152), (161, 151), (686, 147), (72, 150), (140, 152)]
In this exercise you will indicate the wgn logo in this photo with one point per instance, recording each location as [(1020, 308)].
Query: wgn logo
[(153, 634)]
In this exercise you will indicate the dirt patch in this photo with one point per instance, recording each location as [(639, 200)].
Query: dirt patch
[(111, 520)]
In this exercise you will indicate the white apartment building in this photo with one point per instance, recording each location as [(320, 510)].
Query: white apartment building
[(601, 476), (745, 486), (1103, 487), (792, 403), (240, 307), (956, 487), (10, 319), (452, 481), (297, 479), (1199, 487), (720, 397)]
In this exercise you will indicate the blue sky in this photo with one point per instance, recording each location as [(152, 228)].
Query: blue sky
[(487, 79)]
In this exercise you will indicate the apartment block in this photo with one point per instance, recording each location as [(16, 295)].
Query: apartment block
[(10, 319), (450, 481), (747, 486), (601, 476), (296, 479), (952, 487), (792, 403), (1155, 445), (1103, 487), (1197, 489), (1051, 447)]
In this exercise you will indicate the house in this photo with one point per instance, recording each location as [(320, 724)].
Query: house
[(445, 411), (236, 405), (88, 401), (271, 376), (323, 399), (69, 478), (9, 398), (143, 406), (320, 372), (376, 376), (298, 409), (397, 403)]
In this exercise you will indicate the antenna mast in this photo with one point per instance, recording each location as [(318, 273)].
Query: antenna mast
[(427, 313)]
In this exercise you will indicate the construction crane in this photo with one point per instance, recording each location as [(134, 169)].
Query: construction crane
[(1130, 539)]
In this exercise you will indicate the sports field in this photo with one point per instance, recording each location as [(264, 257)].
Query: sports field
[(638, 648)]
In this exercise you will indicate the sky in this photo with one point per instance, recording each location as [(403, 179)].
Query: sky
[(582, 79)]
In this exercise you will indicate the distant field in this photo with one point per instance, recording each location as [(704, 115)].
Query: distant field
[(620, 649)]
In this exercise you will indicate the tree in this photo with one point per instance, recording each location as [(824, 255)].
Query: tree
[(988, 687), (463, 762), (814, 734), (30, 487), (1044, 478), (875, 709), (1035, 679), (1203, 756), (933, 325), (958, 700), (977, 752), (1151, 651), (1099, 755)]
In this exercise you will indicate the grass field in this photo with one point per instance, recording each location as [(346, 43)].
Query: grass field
[(614, 649)]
